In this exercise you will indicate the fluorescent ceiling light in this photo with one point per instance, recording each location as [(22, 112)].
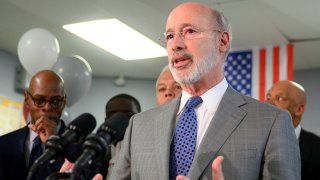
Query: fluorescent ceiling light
[(117, 38)]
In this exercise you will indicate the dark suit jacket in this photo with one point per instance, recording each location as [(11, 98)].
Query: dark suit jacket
[(13, 165), (1, 171), (310, 155)]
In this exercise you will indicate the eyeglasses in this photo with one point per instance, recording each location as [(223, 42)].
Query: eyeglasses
[(55, 102), (188, 33)]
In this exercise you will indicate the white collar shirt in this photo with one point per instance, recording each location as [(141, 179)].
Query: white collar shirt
[(207, 109), (297, 131)]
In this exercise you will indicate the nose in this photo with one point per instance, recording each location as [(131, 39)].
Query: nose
[(169, 93), (47, 107), (178, 42)]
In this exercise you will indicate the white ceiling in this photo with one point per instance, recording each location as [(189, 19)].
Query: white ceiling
[(254, 23)]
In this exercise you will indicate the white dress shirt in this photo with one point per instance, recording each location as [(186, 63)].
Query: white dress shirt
[(206, 110), (297, 130)]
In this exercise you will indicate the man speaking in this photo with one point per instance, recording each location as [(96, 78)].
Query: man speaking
[(210, 119)]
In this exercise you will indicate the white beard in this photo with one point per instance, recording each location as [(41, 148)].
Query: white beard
[(200, 68)]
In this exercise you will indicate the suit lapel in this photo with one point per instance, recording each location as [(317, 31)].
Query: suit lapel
[(225, 121), (305, 142), (163, 128), (62, 128), (21, 148)]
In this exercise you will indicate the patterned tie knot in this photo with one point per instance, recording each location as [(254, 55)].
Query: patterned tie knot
[(193, 102)]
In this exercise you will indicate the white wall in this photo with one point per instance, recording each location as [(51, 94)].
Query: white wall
[(103, 89), (8, 64), (309, 79)]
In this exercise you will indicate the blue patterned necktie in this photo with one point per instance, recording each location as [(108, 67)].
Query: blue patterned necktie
[(183, 146), (36, 150)]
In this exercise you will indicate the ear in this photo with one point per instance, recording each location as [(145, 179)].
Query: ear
[(26, 98), (299, 109), (64, 102), (224, 42)]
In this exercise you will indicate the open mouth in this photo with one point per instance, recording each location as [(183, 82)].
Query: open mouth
[(180, 62)]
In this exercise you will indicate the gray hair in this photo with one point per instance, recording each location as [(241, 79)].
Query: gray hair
[(223, 25)]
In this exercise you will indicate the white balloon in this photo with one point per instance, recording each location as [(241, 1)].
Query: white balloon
[(77, 76), (65, 116), (38, 50)]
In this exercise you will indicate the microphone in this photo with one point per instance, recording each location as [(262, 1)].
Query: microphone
[(95, 146), (55, 146)]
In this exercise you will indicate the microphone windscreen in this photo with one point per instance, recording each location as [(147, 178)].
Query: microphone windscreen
[(85, 123), (118, 122)]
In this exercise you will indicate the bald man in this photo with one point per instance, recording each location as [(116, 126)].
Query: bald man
[(291, 96), (166, 87), (45, 99), (182, 138)]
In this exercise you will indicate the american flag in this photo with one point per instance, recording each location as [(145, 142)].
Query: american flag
[(252, 72)]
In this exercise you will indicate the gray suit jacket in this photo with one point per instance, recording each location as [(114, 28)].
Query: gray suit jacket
[(257, 141)]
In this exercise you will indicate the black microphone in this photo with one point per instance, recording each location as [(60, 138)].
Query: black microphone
[(96, 145), (55, 146)]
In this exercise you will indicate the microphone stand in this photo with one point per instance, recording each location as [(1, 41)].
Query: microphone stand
[(59, 175), (54, 146), (94, 146), (66, 176)]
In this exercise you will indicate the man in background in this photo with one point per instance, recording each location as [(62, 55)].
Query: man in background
[(210, 119), (120, 103), (291, 96), (45, 99), (166, 87)]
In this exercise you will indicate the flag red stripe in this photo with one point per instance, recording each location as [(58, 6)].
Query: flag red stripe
[(290, 61), (276, 64), (262, 73)]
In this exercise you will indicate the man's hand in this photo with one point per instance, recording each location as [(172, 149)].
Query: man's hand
[(44, 127), (68, 166), (217, 173), (97, 177)]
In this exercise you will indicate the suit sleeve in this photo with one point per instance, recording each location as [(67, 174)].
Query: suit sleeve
[(122, 167), (282, 155)]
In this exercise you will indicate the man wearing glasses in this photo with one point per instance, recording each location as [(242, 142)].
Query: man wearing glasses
[(46, 99), (210, 120)]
